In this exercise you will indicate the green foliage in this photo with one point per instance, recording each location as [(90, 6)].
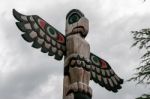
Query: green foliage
[(144, 96), (142, 41)]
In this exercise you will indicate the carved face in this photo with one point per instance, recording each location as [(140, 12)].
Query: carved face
[(76, 23)]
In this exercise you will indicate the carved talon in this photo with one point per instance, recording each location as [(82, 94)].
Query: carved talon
[(79, 87), (74, 87), (69, 96)]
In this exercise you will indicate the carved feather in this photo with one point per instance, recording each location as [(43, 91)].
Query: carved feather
[(104, 75), (42, 34)]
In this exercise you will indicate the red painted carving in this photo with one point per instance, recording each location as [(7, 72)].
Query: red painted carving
[(104, 65), (42, 23), (60, 38)]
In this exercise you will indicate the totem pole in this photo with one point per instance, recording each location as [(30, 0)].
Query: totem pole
[(80, 65)]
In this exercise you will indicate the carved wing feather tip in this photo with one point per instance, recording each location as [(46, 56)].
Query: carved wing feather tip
[(44, 50), (17, 15), (58, 58), (26, 37), (14, 11), (36, 44), (20, 25)]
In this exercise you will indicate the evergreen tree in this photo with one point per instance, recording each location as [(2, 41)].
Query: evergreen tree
[(142, 41), (144, 96)]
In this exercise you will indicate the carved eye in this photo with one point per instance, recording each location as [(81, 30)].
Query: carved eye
[(73, 18)]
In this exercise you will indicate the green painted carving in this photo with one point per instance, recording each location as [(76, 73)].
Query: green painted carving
[(74, 18), (51, 32)]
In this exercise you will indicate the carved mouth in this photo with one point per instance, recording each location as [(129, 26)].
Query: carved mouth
[(78, 29)]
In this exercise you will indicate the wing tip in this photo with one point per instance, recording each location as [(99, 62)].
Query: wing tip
[(14, 12), (115, 88), (118, 87), (17, 15)]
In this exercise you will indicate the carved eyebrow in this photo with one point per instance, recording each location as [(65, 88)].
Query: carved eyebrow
[(73, 11)]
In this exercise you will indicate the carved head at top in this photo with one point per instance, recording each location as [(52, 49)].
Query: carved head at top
[(76, 23)]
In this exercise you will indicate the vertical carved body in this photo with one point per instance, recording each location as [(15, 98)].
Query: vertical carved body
[(77, 45), (76, 80)]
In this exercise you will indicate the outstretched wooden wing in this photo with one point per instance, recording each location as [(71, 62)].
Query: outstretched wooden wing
[(102, 73), (42, 34)]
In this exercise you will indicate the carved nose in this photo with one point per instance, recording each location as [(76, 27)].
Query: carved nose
[(83, 22)]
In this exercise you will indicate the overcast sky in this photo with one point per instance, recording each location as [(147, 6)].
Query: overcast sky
[(26, 73)]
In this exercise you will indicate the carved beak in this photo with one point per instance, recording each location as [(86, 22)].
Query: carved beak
[(82, 27)]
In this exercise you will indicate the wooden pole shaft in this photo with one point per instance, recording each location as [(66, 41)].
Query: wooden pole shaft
[(76, 79)]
